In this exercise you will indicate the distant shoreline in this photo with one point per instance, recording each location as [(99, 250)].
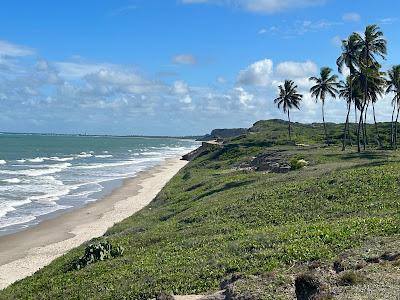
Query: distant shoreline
[(189, 137), (25, 252)]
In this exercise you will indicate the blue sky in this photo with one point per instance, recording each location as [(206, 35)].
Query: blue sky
[(172, 66)]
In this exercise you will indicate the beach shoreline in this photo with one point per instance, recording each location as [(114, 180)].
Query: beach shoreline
[(24, 252)]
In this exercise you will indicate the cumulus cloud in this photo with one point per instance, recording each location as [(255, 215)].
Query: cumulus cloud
[(260, 6), (78, 96), (292, 69), (257, 74), (186, 100), (184, 59), (180, 87), (244, 97)]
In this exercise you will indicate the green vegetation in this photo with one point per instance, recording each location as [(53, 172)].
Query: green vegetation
[(97, 252), (364, 86), (213, 220)]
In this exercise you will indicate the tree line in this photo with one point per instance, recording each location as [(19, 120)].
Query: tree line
[(362, 88)]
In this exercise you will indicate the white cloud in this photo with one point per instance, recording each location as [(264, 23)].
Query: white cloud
[(111, 81), (13, 50), (260, 6), (290, 69), (73, 70), (388, 21), (244, 97), (299, 27), (180, 87), (273, 6), (351, 17), (186, 100), (185, 59), (221, 80), (258, 73)]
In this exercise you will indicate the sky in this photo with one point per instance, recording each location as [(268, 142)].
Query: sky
[(173, 67)]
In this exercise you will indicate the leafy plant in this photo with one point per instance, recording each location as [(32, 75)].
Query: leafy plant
[(97, 252), (296, 164)]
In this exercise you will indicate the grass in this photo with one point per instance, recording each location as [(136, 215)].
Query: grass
[(211, 221), (351, 278)]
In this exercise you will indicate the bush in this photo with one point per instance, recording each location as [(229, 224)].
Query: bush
[(296, 164), (97, 252)]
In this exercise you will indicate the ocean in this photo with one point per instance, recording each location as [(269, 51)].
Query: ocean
[(41, 175)]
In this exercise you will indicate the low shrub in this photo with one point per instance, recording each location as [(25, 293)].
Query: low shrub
[(296, 164), (97, 252)]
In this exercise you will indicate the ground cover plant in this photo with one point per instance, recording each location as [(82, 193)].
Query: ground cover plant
[(213, 220)]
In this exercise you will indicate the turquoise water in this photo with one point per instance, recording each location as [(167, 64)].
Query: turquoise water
[(42, 174)]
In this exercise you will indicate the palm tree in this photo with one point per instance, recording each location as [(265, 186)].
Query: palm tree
[(376, 88), (371, 44), (351, 93), (324, 86), (372, 79), (349, 58), (393, 86), (288, 98)]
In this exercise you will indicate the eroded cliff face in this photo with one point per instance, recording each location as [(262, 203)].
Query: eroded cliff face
[(224, 133), (205, 148)]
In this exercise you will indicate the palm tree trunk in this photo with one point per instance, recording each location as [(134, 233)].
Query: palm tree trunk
[(355, 114), (345, 127), (392, 128), (350, 101), (395, 130), (365, 141), (376, 126), (359, 130), (290, 134), (323, 121)]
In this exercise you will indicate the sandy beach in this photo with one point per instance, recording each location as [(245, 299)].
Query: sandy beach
[(25, 252)]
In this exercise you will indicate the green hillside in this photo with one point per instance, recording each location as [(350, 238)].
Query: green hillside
[(216, 218)]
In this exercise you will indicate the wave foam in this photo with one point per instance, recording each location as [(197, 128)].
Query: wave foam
[(12, 180), (49, 169), (103, 156)]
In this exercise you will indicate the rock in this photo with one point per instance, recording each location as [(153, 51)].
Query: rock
[(223, 134), (202, 150), (164, 296)]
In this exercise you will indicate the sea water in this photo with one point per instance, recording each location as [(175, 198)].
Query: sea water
[(44, 174)]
